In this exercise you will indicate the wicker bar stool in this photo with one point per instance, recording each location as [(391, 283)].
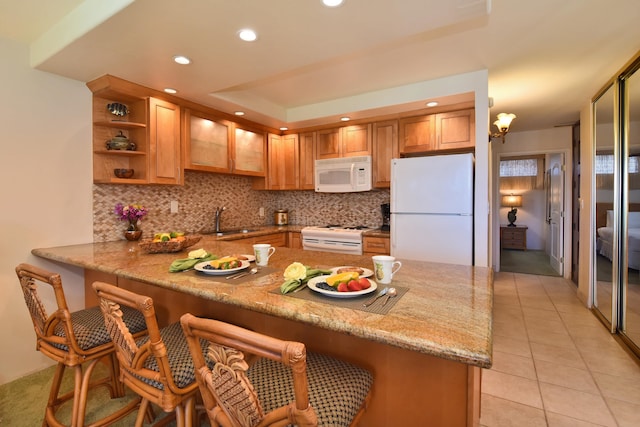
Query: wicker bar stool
[(74, 339), (158, 367), (284, 385)]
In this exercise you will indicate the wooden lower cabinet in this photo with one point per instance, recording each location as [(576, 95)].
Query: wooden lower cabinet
[(295, 240), (410, 388), (376, 245), (275, 239)]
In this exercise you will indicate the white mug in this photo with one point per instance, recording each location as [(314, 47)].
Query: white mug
[(263, 251), (384, 267)]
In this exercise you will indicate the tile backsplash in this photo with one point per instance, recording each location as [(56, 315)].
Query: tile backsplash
[(203, 192)]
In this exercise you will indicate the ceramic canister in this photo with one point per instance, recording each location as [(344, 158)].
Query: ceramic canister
[(281, 217)]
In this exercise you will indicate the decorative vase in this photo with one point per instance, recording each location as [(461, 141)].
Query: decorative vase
[(133, 233)]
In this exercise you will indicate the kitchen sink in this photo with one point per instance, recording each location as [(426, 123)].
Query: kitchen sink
[(234, 231)]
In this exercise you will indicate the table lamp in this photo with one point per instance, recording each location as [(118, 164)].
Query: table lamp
[(513, 202)]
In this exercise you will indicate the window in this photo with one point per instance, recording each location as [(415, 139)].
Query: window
[(522, 173), (519, 167)]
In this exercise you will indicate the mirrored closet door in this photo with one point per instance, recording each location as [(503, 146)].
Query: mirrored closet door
[(616, 263)]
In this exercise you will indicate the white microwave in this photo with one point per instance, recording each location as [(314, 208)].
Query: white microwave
[(343, 175)]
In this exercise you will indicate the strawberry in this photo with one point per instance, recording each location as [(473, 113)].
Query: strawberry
[(342, 287), (354, 285), (364, 283)]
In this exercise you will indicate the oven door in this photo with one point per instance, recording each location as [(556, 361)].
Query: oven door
[(327, 245)]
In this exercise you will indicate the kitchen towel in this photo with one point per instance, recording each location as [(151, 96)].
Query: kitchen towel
[(353, 303)]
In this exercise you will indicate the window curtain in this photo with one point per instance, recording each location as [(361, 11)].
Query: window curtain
[(522, 173)]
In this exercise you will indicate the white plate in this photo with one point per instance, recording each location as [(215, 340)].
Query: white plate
[(312, 285), (250, 258), (200, 267), (365, 271)]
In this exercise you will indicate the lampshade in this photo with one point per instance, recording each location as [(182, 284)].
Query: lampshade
[(512, 201), (504, 121)]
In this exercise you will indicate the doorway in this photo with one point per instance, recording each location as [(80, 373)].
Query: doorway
[(539, 179)]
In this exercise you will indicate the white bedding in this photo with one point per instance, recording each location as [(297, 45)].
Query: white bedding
[(605, 245)]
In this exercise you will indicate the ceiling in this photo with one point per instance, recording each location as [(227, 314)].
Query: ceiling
[(312, 64)]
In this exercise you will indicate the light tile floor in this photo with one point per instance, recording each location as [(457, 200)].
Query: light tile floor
[(554, 363)]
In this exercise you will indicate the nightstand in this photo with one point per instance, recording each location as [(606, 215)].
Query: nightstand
[(513, 237)]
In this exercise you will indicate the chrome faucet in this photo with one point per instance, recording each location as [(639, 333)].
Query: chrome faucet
[(217, 217)]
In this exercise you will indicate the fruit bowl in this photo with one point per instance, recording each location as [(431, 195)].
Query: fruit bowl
[(152, 247)]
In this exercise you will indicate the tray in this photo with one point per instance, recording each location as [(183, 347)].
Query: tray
[(152, 247)]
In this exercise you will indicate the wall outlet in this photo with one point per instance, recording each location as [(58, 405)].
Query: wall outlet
[(261, 212), (174, 206)]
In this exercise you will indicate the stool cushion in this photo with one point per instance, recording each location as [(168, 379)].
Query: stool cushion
[(337, 389), (178, 355), (89, 328)]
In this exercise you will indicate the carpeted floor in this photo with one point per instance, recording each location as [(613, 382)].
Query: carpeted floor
[(527, 262), (22, 401)]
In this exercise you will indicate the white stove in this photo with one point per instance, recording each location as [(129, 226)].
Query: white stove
[(334, 238)]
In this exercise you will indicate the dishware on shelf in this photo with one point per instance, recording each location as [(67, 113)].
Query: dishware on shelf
[(120, 142), (384, 267), (123, 173), (118, 109), (263, 252)]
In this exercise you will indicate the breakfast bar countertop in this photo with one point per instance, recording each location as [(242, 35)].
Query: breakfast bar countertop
[(446, 312)]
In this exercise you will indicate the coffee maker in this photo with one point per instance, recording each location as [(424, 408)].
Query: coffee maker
[(386, 216)]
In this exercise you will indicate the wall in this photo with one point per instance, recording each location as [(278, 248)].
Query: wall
[(532, 213), (45, 192)]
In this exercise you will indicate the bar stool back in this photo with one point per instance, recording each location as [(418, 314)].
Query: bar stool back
[(284, 385), (74, 339)]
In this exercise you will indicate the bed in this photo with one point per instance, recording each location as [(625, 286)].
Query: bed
[(604, 235)]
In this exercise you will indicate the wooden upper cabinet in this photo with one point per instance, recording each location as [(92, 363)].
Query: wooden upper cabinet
[(456, 129), (283, 164), (206, 143), (348, 141), (356, 140), (417, 134), (328, 143), (306, 162), (450, 131), (165, 166), (249, 152), (385, 148)]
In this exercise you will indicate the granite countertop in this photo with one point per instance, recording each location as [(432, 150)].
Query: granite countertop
[(447, 311)]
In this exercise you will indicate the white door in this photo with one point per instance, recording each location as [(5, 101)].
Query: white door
[(556, 213)]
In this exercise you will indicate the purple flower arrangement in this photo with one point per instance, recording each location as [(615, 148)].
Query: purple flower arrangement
[(131, 213)]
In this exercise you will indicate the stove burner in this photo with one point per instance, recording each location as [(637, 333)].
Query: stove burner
[(356, 227)]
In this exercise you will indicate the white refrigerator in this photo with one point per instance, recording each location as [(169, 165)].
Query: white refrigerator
[(432, 208)]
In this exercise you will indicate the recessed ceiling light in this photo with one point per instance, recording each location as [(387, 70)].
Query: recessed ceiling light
[(239, 113), (284, 128), (247, 35), (182, 60), (345, 119), (432, 104), (332, 3), (170, 90)]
